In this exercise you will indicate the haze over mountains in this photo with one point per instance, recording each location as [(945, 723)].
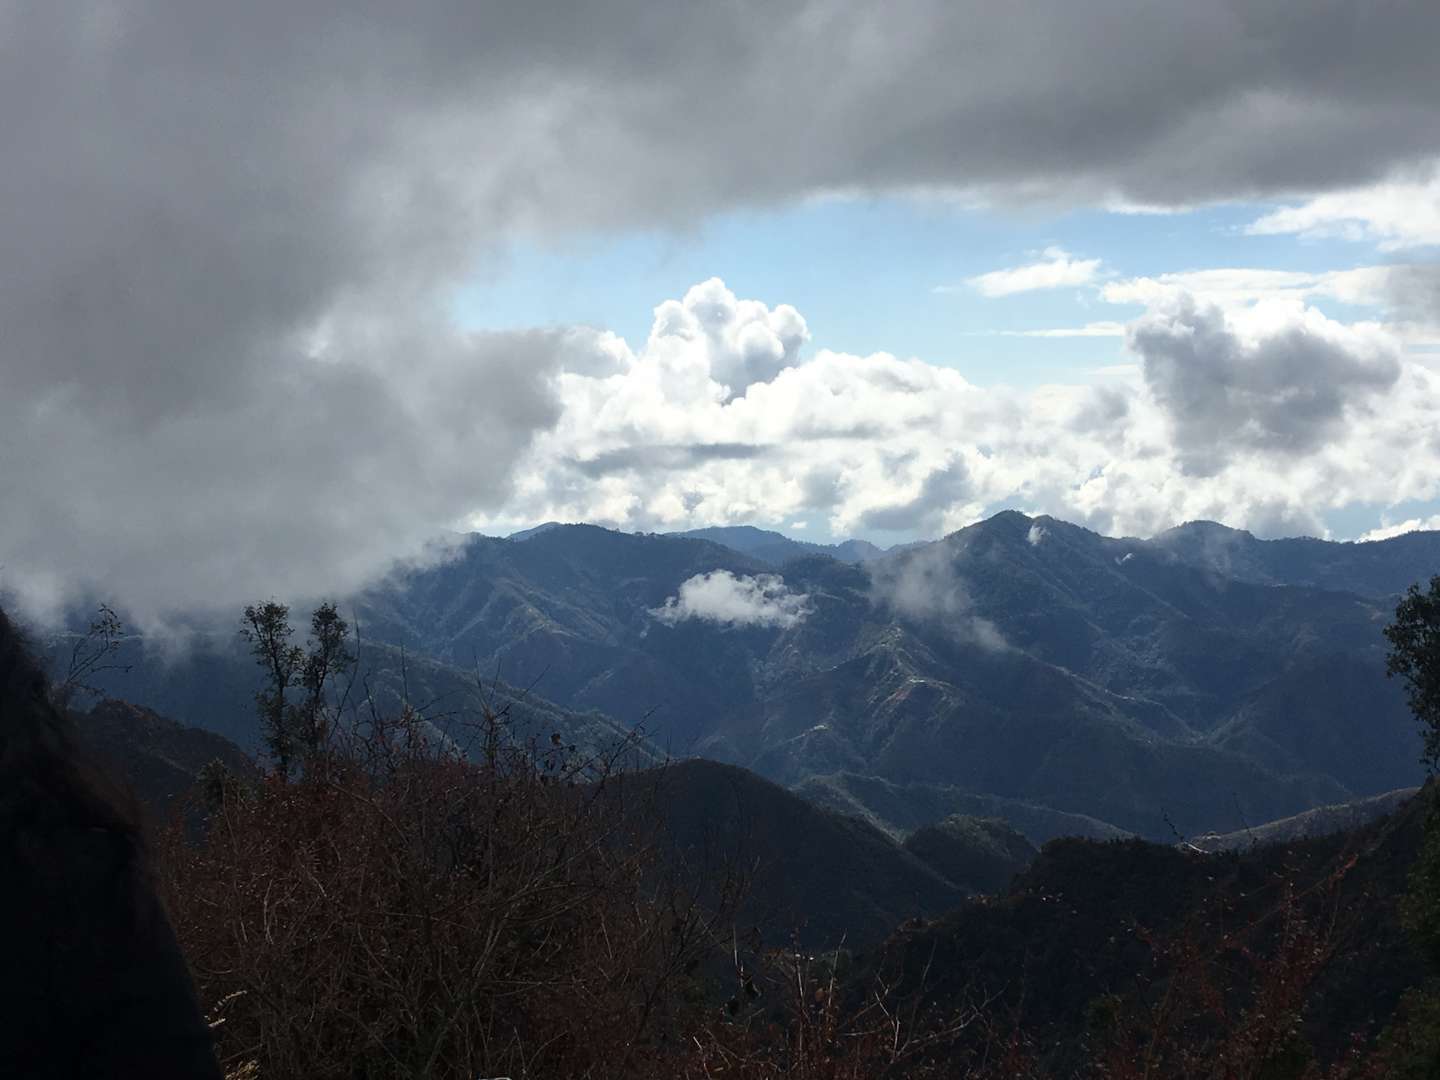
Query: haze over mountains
[(1199, 681)]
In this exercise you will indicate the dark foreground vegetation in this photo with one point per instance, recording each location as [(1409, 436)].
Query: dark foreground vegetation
[(381, 901), (420, 916)]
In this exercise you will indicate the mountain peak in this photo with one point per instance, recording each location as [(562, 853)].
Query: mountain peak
[(526, 534), (1207, 528)]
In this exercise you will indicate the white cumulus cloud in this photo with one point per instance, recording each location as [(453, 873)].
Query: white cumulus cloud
[(735, 600), (1265, 417)]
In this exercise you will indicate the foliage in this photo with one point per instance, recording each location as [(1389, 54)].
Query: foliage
[(1415, 656), (1420, 908), (301, 726), (400, 911), (1410, 1048), (979, 853), (1226, 1005)]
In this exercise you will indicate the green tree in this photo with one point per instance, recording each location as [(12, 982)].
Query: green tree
[(327, 659), (294, 704), (267, 628), (1415, 656), (1411, 1046)]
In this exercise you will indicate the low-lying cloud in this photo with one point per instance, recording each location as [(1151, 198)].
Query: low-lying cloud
[(926, 585), (735, 600)]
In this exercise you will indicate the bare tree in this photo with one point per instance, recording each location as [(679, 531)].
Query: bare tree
[(90, 654)]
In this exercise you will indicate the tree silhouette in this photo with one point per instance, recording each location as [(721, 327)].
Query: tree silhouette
[(1415, 656), (299, 724)]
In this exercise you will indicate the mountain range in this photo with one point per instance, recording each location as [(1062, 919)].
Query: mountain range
[(766, 545), (1199, 681)]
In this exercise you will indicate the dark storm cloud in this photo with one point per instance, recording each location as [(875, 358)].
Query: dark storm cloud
[(1286, 390), (229, 228)]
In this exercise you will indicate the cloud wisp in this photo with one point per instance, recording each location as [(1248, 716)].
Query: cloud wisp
[(735, 601), (1101, 329), (1056, 270), (1394, 214), (927, 586)]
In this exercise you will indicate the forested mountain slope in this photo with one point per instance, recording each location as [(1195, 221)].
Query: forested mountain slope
[(1021, 658), (1021, 663)]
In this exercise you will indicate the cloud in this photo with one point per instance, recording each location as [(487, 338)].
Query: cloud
[(741, 341), (926, 585), (1394, 214), (298, 476), (1264, 417), (945, 490), (1094, 329), (1281, 382), (231, 231), (651, 458), (1405, 295), (1036, 535), (731, 600), (1414, 289), (227, 371), (1236, 287), (1387, 532), (1056, 270)]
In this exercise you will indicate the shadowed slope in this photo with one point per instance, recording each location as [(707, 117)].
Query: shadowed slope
[(97, 984), (821, 876)]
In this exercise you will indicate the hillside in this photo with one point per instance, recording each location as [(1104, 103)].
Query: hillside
[(899, 809), (810, 874), (986, 852), (1091, 929), (156, 758), (1022, 667), (212, 686), (1321, 821), (777, 549), (1023, 659), (813, 874), (1376, 568)]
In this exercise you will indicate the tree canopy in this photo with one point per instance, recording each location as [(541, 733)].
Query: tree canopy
[(1415, 656)]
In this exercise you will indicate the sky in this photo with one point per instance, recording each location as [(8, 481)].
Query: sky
[(288, 290)]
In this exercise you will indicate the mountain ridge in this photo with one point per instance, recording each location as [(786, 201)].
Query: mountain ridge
[(1021, 662)]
